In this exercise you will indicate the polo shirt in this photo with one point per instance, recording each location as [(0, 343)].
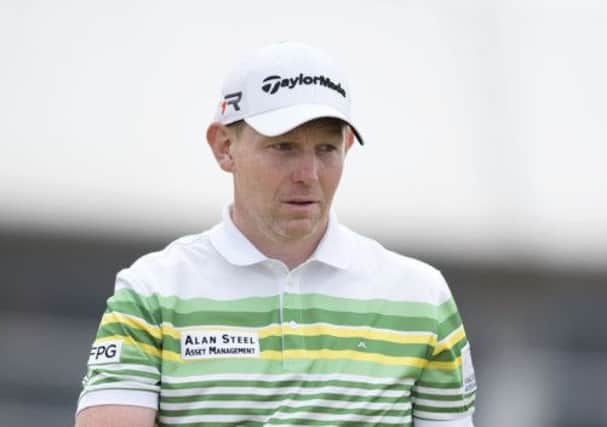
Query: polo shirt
[(210, 331)]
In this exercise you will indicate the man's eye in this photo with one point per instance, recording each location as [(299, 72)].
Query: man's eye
[(325, 148), (282, 146)]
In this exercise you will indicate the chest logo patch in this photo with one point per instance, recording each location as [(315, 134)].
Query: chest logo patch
[(222, 344)]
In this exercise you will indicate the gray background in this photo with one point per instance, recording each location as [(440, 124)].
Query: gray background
[(538, 335)]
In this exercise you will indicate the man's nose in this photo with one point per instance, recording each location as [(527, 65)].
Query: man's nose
[(306, 168)]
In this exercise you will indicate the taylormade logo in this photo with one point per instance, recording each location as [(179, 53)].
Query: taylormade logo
[(271, 84)]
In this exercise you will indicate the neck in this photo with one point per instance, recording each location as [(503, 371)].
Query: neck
[(292, 252)]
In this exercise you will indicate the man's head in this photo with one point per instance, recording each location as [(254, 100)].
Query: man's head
[(283, 129)]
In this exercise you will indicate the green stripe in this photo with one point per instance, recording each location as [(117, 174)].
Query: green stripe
[(349, 305), (284, 409), (145, 307), (115, 328), (449, 325), (313, 422), (442, 376), (134, 309), (330, 342), (440, 385), (98, 370), (258, 319), (456, 410), (203, 317), (285, 383), (133, 354), (397, 323), (446, 310), (293, 421), (261, 366), (278, 397)]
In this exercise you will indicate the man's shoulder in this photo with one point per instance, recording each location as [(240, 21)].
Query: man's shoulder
[(175, 252), (371, 254), (160, 271), (395, 271)]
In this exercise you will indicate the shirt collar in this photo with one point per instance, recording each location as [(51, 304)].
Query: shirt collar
[(333, 248), (232, 244)]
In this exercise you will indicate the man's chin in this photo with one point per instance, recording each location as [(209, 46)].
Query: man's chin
[(301, 228)]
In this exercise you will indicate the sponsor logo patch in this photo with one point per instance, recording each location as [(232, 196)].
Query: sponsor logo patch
[(105, 352), (224, 344)]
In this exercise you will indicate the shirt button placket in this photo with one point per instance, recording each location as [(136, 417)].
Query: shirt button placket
[(292, 320)]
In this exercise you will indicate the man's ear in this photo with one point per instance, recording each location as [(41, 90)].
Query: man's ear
[(348, 138), (220, 140)]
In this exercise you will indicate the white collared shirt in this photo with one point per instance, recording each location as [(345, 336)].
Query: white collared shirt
[(356, 333)]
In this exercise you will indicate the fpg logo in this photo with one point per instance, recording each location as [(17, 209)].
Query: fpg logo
[(105, 352)]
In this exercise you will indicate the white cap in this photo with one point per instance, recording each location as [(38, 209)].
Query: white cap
[(282, 86)]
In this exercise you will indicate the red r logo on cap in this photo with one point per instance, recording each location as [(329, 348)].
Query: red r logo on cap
[(232, 99)]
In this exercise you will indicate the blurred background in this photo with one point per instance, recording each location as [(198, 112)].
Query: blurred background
[(486, 131)]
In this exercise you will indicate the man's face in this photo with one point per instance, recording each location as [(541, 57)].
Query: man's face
[(284, 185)]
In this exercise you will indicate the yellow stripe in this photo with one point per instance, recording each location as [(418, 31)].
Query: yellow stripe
[(458, 335), (278, 330), (170, 331), (445, 365), (304, 354), (346, 332), (131, 322), (313, 330), (153, 330)]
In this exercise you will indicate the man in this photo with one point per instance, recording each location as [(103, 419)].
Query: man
[(279, 314)]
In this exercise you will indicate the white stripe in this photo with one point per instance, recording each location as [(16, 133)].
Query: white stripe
[(344, 417), (439, 391), (285, 417), (127, 366), (123, 385), (258, 391), (301, 425), (442, 416), (211, 419), (97, 378), (465, 421), (445, 403), (287, 402), (287, 377)]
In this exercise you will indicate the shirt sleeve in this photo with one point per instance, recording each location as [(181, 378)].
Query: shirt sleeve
[(444, 394), (124, 362)]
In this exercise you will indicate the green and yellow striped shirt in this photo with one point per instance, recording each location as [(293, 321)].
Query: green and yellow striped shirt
[(211, 332)]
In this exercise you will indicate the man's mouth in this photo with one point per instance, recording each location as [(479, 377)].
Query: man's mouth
[(301, 202)]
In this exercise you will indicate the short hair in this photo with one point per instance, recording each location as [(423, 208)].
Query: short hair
[(237, 127)]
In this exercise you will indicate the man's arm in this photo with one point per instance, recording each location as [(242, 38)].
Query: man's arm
[(116, 416)]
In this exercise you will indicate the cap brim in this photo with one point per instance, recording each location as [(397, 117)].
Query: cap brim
[(277, 122)]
